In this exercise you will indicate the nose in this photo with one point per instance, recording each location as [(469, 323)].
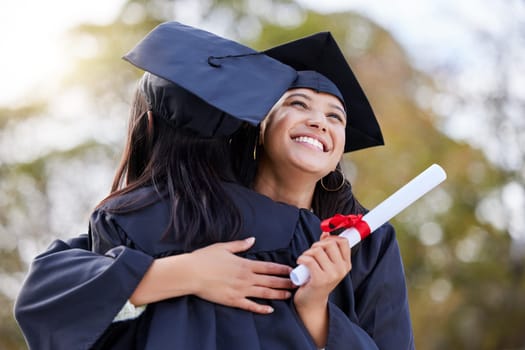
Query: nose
[(317, 121)]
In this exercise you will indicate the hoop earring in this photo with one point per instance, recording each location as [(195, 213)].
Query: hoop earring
[(255, 147), (343, 179)]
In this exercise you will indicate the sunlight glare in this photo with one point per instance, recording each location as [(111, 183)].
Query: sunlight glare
[(32, 35)]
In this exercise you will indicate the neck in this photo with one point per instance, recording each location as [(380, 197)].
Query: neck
[(295, 189)]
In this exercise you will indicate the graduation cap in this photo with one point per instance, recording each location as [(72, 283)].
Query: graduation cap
[(320, 53), (185, 110), (218, 75)]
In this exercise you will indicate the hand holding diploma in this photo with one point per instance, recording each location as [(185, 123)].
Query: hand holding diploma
[(361, 227)]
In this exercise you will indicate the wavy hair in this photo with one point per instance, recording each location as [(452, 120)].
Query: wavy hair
[(185, 169)]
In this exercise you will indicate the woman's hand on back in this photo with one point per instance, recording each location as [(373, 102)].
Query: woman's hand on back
[(216, 274), (222, 277)]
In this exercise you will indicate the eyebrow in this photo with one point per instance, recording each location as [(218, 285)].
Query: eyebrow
[(309, 99)]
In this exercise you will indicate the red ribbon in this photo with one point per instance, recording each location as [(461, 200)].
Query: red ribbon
[(346, 221)]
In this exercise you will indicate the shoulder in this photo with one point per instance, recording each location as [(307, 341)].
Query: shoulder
[(133, 198), (384, 235), (380, 248), (379, 241), (138, 218)]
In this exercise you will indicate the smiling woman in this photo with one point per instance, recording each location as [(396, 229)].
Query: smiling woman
[(305, 134)]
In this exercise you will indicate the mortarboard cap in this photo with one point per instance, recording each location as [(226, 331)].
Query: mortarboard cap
[(318, 82), (320, 53), (185, 110), (229, 76)]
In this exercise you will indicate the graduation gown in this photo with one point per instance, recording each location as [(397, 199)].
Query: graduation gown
[(368, 310), (71, 295)]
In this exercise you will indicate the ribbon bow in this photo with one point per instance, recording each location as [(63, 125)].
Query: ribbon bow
[(346, 221)]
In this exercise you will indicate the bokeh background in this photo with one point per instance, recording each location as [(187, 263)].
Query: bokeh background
[(446, 79)]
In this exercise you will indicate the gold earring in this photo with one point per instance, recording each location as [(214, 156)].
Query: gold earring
[(343, 179), (255, 147)]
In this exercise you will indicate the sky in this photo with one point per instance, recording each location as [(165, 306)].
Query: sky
[(32, 50), (432, 31), (32, 30)]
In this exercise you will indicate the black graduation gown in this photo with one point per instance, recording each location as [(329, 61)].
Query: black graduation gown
[(71, 295), (368, 310)]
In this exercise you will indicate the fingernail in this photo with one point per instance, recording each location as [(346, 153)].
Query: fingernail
[(250, 240), (269, 309)]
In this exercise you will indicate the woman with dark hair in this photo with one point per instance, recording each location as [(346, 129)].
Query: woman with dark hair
[(176, 205), (161, 158), (171, 175), (185, 175)]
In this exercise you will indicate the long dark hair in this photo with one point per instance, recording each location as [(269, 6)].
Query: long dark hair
[(325, 204), (183, 168)]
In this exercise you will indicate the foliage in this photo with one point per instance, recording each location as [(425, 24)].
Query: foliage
[(463, 285)]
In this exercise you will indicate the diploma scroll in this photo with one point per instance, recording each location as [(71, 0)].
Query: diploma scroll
[(390, 207)]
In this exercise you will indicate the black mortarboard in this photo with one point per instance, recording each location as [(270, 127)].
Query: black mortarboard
[(229, 76), (320, 53), (185, 110)]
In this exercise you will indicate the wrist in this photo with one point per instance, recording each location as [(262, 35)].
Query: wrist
[(315, 318), (166, 278), (191, 282), (312, 310), (312, 305)]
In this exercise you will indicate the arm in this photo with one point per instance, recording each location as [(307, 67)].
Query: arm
[(381, 299), (328, 262), (369, 309), (67, 281), (201, 272)]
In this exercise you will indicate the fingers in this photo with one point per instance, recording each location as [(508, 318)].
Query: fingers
[(250, 305), (269, 293), (346, 252), (341, 242), (333, 250), (274, 282), (269, 268), (262, 293), (239, 245), (330, 257), (320, 256), (336, 248)]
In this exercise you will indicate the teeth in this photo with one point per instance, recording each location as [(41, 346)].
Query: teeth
[(311, 141)]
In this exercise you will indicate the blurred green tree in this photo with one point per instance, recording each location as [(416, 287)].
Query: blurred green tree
[(465, 290)]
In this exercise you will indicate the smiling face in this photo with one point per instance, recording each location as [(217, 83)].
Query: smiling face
[(305, 131)]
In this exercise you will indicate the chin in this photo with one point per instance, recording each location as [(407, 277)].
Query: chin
[(312, 164), (314, 169)]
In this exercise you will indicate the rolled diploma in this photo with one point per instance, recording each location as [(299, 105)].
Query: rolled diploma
[(390, 207)]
